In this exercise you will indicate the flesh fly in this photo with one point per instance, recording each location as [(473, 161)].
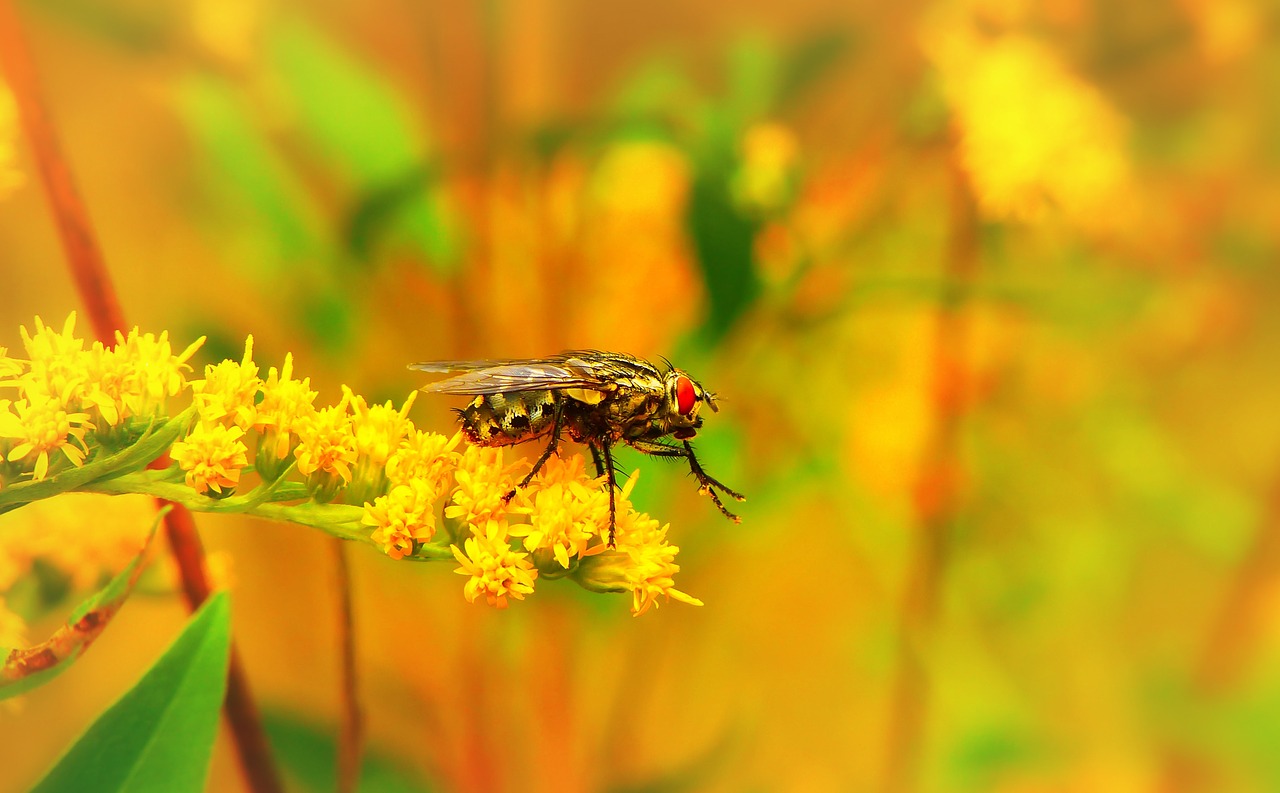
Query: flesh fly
[(600, 399)]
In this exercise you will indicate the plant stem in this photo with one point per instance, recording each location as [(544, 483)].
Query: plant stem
[(351, 734), (93, 282), (936, 496)]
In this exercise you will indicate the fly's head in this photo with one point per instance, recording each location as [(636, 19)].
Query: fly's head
[(683, 397)]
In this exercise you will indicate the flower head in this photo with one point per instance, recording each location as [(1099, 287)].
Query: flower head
[(643, 563), (566, 513), (42, 427), (285, 403), (378, 430), (402, 516), (424, 455), (213, 456), (482, 484), (149, 371), (55, 370), (496, 571), (229, 390), (326, 449)]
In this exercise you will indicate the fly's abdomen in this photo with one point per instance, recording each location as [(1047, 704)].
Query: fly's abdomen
[(506, 419)]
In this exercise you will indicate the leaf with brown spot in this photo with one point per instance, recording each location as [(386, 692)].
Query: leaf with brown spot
[(27, 668)]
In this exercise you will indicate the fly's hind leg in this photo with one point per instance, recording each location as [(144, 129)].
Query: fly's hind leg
[(612, 484), (707, 484), (557, 426)]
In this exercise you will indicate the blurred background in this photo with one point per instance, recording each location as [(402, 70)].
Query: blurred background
[(982, 285)]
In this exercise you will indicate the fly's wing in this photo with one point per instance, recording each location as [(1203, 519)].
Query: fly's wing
[(498, 377)]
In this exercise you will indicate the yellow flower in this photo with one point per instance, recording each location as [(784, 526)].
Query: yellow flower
[(1033, 135), (149, 371), (378, 430), (482, 481), (213, 456), (285, 403), (495, 571), (9, 367), (643, 564), (566, 513), (41, 428), (229, 390), (765, 180), (429, 456), (56, 370), (326, 449), (402, 516)]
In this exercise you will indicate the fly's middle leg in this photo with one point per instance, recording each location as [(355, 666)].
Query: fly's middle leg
[(551, 449)]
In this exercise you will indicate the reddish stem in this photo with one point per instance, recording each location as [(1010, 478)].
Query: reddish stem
[(351, 734), (936, 496), (93, 282)]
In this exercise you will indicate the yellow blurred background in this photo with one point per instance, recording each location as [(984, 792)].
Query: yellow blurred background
[(982, 285)]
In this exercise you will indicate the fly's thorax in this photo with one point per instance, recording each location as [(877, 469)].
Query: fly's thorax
[(506, 419)]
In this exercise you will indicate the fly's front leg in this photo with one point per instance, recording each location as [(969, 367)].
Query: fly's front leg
[(546, 454), (707, 484)]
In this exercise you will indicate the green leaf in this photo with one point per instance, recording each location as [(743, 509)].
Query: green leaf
[(25, 669), (384, 156), (278, 213), (308, 754), (135, 457), (159, 735), (723, 239)]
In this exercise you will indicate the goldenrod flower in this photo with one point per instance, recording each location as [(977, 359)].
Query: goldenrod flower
[(213, 456), (229, 390), (643, 564), (1033, 135), (326, 450), (9, 367), (482, 481), (285, 403), (42, 427), (402, 516), (496, 571), (378, 430), (565, 513), (429, 456), (55, 369), (149, 371)]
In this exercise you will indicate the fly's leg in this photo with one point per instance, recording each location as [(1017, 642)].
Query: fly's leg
[(707, 484), (546, 454), (612, 485), (595, 457)]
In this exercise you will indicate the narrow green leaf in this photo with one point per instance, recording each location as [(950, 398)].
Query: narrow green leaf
[(385, 157), (159, 735), (148, 447), (25, 669)]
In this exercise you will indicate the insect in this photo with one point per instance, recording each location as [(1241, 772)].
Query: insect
[(599, 398)]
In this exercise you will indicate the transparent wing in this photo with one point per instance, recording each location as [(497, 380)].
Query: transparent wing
[(496, 377)]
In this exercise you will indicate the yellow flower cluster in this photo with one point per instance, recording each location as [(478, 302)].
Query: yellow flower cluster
[(361, 471), (1033, 136), (64, 392)]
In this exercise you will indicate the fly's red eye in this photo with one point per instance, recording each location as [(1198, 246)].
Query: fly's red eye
[(685, 397)]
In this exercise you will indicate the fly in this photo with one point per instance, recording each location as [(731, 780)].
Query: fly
[(600, 399)]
